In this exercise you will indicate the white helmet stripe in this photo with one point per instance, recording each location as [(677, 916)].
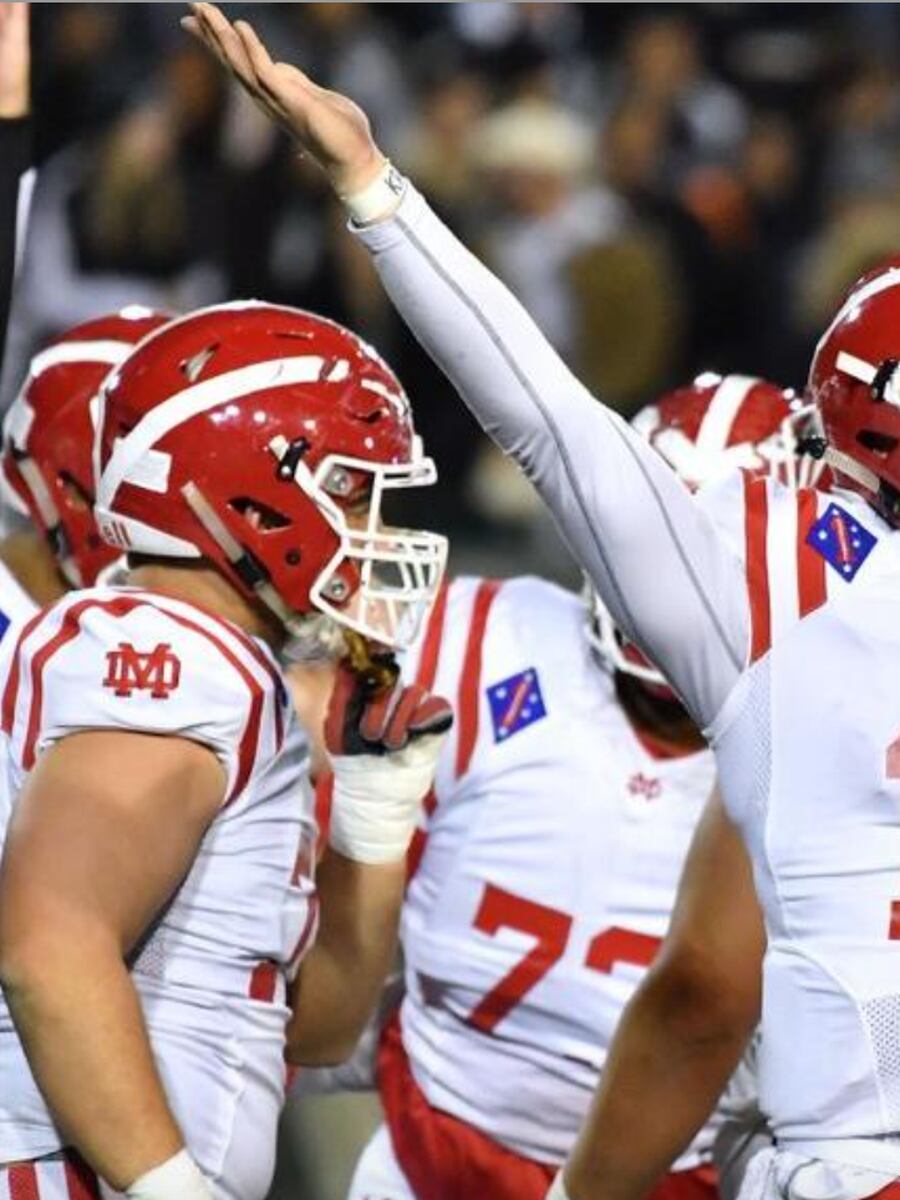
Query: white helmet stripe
[(188, 403), (105, 351), (858, 368), (715, 428), (20, 414), (881, 283)]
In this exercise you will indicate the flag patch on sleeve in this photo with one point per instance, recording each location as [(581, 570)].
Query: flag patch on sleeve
[(515, 703), (841, 540)]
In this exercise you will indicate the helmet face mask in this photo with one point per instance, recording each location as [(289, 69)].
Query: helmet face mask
[(611, 649), (397, 571), (264, 439)]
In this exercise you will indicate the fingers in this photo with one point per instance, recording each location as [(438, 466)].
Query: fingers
[(221, 38), (378, 712), (433, 715), (359, 723), (256, 53), (210, 27)]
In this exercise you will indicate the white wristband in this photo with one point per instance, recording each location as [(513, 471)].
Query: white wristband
[(178, 1178), (377, 199), (558, 1189), (376, 800)]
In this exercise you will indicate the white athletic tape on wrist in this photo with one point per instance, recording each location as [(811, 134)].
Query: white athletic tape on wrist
[(558, 1189), (179, 1178), (376, 800), (377, 199)]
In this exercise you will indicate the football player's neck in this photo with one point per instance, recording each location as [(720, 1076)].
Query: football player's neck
[(206, 588), (30, 561), (661, 722)]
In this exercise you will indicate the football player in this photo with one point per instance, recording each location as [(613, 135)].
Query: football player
[(156, 886), (46, 472), (543, 879), (790, 665)]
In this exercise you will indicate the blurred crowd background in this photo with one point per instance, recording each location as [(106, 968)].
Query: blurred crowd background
[(668, 189)]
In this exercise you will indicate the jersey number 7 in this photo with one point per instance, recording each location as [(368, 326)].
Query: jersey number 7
[(551, 930)]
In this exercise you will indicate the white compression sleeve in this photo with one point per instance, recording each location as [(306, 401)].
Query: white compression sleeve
[(656, 558)]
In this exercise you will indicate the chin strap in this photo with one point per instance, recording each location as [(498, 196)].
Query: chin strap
[(49, 513), (839, 461), (245, 565)]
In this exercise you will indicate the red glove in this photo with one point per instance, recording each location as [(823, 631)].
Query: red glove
[(359, 722)]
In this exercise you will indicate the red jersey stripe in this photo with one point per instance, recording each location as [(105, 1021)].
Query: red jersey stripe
[(246, 642), (420, 838), (67, 632), (81, 1182), (415, 852), (810, 565), (121, 606), (11, 691), (249, 745), (431, 643), (756, 506), (22, 1181), (426, 675), (470, 678), (263, 981)]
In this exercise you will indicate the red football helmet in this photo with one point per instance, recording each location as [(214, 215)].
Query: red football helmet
[(703, 430), (854, 383), (48, 437), (720, 422), (264, 439)]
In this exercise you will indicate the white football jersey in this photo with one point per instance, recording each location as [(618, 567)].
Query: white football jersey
[(212, 971), (16, 609), (808, 745), (546, 873), (795, 676)]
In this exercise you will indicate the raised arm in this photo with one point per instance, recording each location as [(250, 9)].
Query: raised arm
[(658, 562)]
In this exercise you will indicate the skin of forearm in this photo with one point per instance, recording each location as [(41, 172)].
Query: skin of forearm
[(80, 1021), (668, 1065), (342, 976), (15, 61)]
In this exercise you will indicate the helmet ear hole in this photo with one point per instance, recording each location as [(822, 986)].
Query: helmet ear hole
[(75, 489), (261, 517), (882, 444)]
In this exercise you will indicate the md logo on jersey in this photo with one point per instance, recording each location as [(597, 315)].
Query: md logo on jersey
[(645, 786), (157, 671), (515, 704), (841, 540)]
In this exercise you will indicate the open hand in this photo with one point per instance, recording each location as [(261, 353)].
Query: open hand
[(15, 59), (331, 128)]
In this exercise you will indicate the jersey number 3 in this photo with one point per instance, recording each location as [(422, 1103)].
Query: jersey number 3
[(551, 930)]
